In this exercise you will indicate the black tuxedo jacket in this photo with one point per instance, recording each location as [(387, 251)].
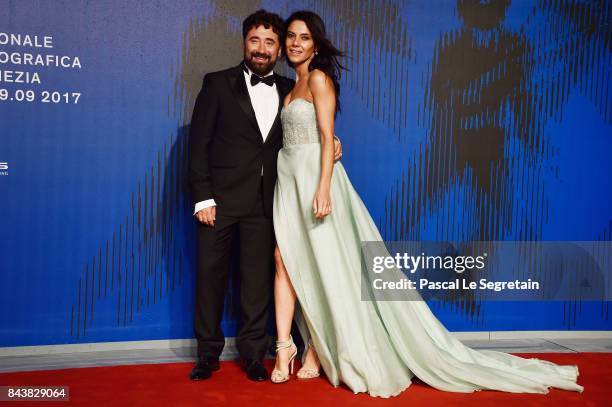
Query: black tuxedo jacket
[(226, 149)]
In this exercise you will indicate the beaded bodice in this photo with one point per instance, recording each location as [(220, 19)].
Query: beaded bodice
[(299, 121)]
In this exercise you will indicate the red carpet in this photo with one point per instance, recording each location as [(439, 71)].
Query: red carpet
[(168, 385)]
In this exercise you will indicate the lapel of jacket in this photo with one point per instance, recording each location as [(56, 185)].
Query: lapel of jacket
[(282, 90), (241, 93)]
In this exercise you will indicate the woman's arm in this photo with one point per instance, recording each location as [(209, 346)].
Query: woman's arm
[(324, 99)]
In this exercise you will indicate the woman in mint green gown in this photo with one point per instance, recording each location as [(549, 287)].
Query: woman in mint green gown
[(319, 220)]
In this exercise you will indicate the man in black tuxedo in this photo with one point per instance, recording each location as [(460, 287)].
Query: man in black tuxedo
[(235, 137)]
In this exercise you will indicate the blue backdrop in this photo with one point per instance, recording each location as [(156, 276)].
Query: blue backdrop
[(461, 120)]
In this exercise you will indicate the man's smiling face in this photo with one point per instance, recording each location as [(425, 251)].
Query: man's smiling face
[(261, 49)]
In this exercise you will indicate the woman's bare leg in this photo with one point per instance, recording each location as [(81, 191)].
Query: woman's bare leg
[(284, 305)]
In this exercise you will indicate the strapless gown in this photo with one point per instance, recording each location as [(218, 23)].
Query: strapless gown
[(371, 346)]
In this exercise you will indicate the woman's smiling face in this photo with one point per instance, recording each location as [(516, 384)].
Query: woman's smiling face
[(299, 44)]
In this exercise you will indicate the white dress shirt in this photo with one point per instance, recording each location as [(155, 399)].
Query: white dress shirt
[(265, 101)]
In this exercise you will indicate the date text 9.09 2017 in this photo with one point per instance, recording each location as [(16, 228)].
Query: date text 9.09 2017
[(44, 96)]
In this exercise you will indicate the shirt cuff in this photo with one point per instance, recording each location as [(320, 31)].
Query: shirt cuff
[(203, 205)]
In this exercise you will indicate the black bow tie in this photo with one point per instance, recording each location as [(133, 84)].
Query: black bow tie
[(268, 80)]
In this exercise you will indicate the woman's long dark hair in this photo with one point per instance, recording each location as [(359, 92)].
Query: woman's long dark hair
[(327, 56)]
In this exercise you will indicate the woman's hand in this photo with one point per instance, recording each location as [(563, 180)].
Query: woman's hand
[(322, 203)]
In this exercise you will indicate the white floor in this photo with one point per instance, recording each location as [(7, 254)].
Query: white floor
[(9, 363)]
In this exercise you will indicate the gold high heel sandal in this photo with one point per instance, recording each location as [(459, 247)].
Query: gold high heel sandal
[(308, 372), (278, 376)]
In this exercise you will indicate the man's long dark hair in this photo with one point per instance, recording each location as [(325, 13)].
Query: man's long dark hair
[(327, 56)]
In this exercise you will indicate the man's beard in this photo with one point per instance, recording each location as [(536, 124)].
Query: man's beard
[(260, 68)]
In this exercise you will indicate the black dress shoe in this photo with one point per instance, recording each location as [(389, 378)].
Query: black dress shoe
[(255, 370), (204, 367)]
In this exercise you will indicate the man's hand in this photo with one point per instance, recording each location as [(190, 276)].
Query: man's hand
[(337, 149), (207, 216)]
